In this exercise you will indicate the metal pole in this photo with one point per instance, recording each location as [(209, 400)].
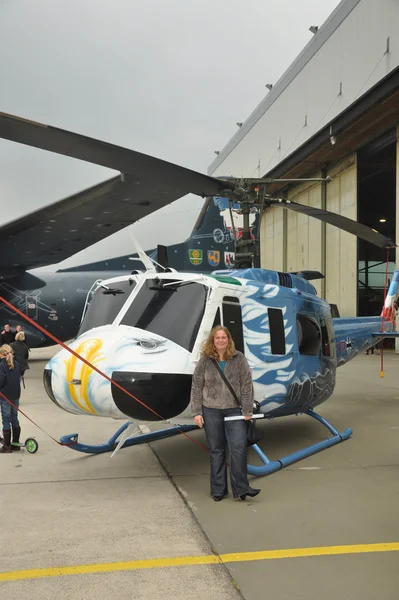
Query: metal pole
[(324, 234)]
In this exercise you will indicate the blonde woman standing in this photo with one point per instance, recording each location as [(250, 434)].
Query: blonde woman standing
[(21, 351), (10, 386), (212, 401)]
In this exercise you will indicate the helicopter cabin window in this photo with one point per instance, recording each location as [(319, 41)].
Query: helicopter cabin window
[(233, 321), (276, 328), (309, 337), (106, 304), (170, 308)]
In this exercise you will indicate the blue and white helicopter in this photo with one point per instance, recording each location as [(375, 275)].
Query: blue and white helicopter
[(141, 334)]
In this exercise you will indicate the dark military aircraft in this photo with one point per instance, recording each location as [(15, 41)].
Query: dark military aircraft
[(56, 300)]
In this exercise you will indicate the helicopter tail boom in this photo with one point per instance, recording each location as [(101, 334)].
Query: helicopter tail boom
[(355, 335)]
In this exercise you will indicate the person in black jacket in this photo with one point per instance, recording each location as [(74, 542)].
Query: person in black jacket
[(7, 336), (10, 386), (21, 351)]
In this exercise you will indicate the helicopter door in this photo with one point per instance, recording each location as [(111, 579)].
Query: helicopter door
[(327, 336), (233, 321)]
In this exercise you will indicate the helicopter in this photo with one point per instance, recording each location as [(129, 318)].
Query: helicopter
[(141, 334)]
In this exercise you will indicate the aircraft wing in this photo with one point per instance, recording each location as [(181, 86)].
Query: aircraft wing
[(66, 227), (59, 230)]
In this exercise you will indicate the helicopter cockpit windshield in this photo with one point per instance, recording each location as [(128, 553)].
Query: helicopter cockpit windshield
[(170, 308), (106, 304)]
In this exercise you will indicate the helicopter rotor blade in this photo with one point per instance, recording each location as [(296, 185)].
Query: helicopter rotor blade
[(143, 168), (362, 231), (81, 147)]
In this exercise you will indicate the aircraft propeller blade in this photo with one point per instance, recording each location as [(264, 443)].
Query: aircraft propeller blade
[(140, 166), (362, 231)]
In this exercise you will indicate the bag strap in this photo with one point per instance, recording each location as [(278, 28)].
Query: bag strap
[(227, 382)]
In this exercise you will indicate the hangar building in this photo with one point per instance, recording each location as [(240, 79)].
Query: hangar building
[(334, 112)]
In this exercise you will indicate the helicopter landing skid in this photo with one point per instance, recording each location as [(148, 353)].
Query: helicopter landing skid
[(114, 444), (271, 466)]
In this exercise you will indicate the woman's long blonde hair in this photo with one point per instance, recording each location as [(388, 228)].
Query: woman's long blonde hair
[(209, 350), (7, 352)]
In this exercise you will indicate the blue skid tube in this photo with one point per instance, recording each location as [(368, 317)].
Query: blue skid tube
[(268, 467), (72, 440), (271, 466)]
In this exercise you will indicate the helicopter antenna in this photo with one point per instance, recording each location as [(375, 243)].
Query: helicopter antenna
[(143, 257), (152, 262)]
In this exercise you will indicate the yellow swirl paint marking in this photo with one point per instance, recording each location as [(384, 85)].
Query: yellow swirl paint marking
[(90, 350)]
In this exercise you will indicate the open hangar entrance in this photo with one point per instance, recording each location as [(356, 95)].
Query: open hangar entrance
[(357, 149), (376, 204)]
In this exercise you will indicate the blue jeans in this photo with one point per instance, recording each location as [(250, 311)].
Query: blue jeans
[(9, 414), (220, 434)]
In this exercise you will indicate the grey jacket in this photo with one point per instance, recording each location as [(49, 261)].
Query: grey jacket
[(208, 388)]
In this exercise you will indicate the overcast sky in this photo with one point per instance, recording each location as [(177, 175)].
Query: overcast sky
[(168, 78)]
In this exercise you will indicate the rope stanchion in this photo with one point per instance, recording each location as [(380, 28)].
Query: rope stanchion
[(94, 368)]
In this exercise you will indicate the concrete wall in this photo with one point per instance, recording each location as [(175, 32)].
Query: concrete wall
[(304, 234), (341, 247), (272, 240), (293, 242)]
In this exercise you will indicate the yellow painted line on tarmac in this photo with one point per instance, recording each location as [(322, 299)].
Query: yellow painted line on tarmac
[(185, 561), (308, 552)]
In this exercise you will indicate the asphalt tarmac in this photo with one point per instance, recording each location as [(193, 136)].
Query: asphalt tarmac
[(90, 526)]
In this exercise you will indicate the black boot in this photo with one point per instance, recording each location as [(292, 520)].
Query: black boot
[(6, 448), (252, 492), (16, 433)]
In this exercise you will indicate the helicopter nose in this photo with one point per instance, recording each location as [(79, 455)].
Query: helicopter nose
[(153, 369)]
